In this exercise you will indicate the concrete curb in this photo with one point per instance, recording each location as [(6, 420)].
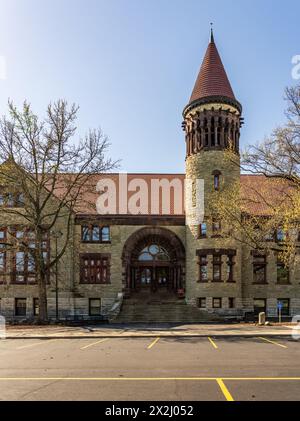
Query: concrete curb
[(155, 335)]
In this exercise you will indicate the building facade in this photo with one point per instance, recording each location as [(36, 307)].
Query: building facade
[(159, 253)]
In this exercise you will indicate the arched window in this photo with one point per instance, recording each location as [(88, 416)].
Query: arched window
[(154, 252)]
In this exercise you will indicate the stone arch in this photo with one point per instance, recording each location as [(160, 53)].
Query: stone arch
[(153, 235)]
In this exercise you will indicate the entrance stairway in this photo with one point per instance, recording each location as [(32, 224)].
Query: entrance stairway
[(160, 307)]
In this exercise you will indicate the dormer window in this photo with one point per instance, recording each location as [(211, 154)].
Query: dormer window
[(11, 200)]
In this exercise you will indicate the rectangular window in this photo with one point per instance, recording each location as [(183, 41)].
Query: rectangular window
[(105, 234), (202, 230), (94, 268), (94, 306), (23, 261), (95, 234), (216, 227), (283, 274), (217, 268), (20, 307), (259, 305), (231, 302), (2, 254), (203, 275), (280, 235), (230, 265), (259, 269), (217, 302), (36, 307), (202, 302), (285, 303)]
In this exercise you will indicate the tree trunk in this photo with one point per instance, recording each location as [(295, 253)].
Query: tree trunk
[(43, 310)]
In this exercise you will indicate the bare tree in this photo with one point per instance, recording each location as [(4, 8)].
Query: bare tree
[(45, 175), (252, 212)]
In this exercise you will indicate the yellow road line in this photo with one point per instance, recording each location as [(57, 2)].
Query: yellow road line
[(153, 343), (212, 342), (94, 343), (151, 378), (272, 342), (224, 389), (43, 342)]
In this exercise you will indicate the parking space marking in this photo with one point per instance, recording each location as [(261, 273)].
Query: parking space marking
[(94, 343), (153, 343), (272, 342), (212, 342), (224, 389), (42, 342)]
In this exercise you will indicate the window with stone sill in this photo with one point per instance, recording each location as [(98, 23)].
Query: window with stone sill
[(217, 262), (94, 268), (203, 269), (283, 273), (230, 265), (11, 200), (22, 259), (259, 269), (202, 230), (216, 228), (3, 234), (217, 303), (95, 234)]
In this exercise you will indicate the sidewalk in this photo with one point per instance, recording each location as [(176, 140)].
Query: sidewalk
[(161, 330)]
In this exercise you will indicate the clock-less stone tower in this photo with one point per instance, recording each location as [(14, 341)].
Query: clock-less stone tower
[(212, 121)]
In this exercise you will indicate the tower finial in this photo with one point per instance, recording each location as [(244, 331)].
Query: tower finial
[(211, 32)]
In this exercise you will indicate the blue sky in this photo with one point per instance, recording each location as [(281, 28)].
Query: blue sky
[(131, 65)]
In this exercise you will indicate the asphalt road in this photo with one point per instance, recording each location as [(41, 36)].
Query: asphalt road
[(163, 369)]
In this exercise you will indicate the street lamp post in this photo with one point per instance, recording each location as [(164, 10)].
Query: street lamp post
[(56, 235)]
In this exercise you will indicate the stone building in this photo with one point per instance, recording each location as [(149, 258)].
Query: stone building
[(148, 259)]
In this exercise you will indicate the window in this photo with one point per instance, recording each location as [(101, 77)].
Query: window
[(216, 227), (36, 307), (217, 182), (20, 306), (105, 234), (217, 302), (94, 268), (202, 230), (285, 302), (153, 252), (217, 268), (280, 235), (23, 261), (259, 269), (203, 275), (231, 302), (202, 302), (283, 275), (94, 306), (230, 265), (216, 174), (11, 200), (95, 234), (2, 254), (259, 305)]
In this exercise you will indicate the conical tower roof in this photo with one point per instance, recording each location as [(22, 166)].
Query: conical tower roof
[(212, 79)]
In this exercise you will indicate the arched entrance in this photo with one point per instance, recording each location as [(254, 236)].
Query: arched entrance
[(153, 260)]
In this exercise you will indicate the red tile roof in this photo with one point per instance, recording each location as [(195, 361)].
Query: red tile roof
[(258, 190), (212, 79)]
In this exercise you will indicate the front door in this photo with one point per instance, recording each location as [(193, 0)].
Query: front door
[(146, 277), (162, 277)]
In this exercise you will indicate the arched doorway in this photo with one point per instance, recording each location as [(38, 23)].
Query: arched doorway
[(153, 260)]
